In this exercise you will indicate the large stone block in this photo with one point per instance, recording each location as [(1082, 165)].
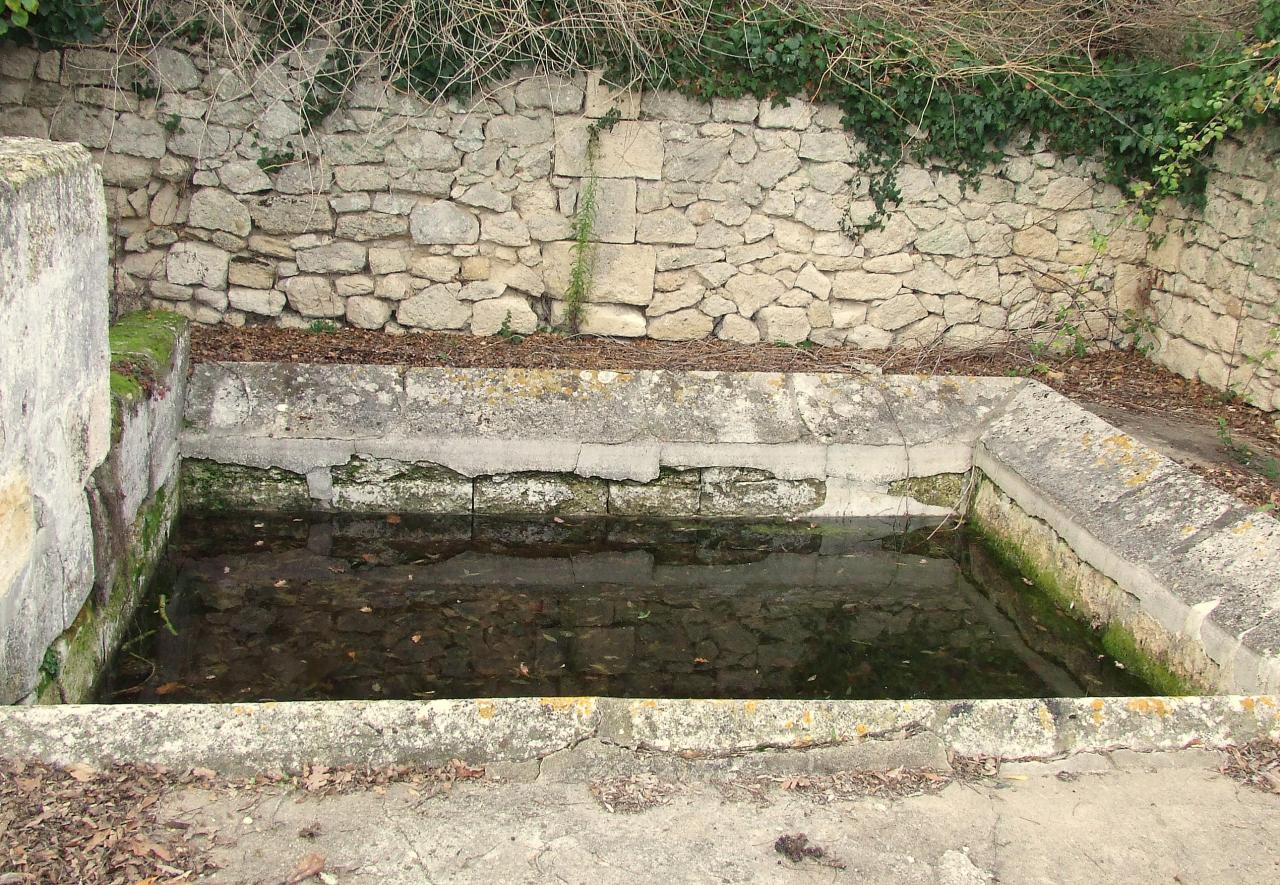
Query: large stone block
[(619, 273), (443, 223), (628, 150), (197, 264), (55, 417)]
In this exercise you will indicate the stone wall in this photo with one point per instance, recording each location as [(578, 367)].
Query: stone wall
[(723, 219), (55, 417), (719, 220), (1216, 276)]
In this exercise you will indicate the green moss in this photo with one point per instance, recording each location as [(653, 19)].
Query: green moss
[(940, 490), (208, 486), (149, 335), (1120, 644), (1057, 605), (79, 653)]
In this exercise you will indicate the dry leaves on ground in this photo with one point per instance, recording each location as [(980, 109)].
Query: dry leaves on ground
[(1256, 763), (77, 824)]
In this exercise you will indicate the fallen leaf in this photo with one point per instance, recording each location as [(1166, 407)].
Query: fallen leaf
[(310, 865), (206, 773), (168, 688), (82, 772), (415, 638), (281, 583), (393, 519), (366, 609), (701, 661)]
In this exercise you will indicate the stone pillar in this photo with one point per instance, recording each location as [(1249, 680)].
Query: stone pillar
[(55, 415)]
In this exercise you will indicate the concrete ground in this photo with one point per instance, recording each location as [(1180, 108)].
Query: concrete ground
[(1092, 818)]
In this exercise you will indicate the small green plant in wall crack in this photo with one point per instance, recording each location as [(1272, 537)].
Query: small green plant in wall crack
[(579, 287)]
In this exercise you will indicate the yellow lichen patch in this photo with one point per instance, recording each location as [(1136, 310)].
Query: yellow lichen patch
[(1150, 705), (751, 706), (1046, 720), (803, 741), (485, 709), (579, 705), (646, 704), (807, 718), (860, 730), (1241, 527), (241, 710), (1098, 706)]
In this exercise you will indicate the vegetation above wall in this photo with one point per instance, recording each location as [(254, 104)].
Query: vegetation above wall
[(1149, 87)]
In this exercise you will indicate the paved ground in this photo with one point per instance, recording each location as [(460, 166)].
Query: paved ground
[(1123, 817)]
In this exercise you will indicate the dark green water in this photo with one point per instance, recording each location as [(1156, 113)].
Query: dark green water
[(267, 607)]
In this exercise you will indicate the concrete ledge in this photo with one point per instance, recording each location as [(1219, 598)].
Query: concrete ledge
[(1199, 562), (244, 738), (821, 445)]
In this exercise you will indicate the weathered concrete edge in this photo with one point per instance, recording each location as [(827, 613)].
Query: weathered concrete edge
[(245, 738), (1097, 542)]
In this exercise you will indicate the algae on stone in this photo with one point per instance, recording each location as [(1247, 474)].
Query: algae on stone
[(210, 486)]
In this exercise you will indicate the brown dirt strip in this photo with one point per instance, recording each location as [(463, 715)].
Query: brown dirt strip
[(1117, 378)]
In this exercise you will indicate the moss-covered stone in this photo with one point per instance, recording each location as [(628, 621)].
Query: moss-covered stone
[(76, 658), (1170, 665), (379, 485), (210, 486), (673, 493), (746, 492), (142, 349), (939, 490), (561, 494)]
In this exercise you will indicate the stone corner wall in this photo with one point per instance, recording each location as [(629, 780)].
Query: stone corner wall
[(1215, 298), (55, 417)]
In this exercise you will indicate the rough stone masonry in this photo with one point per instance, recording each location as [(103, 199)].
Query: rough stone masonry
[(729, 219)]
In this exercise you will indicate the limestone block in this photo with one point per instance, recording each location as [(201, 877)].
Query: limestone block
[(813, 281), (785, 325), (681, 325), (137, 137), (897, 312), (364, 226), (521, 131), (385, 260), (213, 209), (738, 330), (394, 286), (352, 148), (731, 491), (829, 147), (857, 285), (735, 110), (770, 167), (267, 302), (438, 268), (669, 226), (243, 178), (628, 150), (1036, 242), (197, 264), (1065, 192), (675, 299), (443, 222), (949, 238), (485, 196), (505, 229), (361, 178), (424, 149), (615, 220), (557, 94), (698, 159), (434, 308), (674, 493), (76, 122), (292, 214), (790, 114), (364, 312), (251, 274), (336, 257), (614, 320), (603, 97), (313, 297), (750, 292), (621, 274), (489, 316)]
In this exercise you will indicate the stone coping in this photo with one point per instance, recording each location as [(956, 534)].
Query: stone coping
[(246, 738)]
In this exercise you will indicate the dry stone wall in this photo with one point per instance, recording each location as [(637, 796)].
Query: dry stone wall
[(726, 220), (1216, 276)]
